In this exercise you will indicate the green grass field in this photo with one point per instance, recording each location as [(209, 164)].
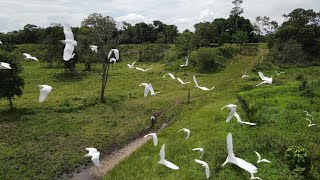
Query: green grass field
[(277, 110), (47, 140)]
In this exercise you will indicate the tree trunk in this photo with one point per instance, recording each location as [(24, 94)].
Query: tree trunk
[(11, 105), (104, 80)]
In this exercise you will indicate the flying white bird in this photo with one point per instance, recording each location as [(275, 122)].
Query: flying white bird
[(182, 81), (206, 166), (94, 154), (69, 42), (278, 73), (28, 56), (154, 138), (4, 65), (261, 160), (115, 52), (186, 131), (113, 60), (265, 80), (44, 91), (164, 161), (245, 76), (148, 87), (170, 74), (234, 113), (186, 63), (199, 149), (94, 48), (310, 123), (200, 87), (1, 42), (307, 113), (238, 161), (131, 66), (143, 70)]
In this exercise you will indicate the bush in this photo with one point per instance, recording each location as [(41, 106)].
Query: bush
[(228, 50), (207, 60), (298, 160), (290, 54)]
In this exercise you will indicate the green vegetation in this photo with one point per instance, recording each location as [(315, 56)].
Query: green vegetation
[(277, 110), (51, 136)]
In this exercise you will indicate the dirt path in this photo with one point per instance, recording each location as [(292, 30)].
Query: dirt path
[(109, 162)]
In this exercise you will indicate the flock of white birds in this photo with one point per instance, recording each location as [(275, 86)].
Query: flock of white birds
[(68, 54)]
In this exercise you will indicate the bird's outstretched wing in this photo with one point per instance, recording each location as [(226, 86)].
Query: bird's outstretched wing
[(68, 52), (170, 165), (44, 94), (259, 156), (151, 88), (195, 80), (229, 145), (162, 153), (261, 75), (95, 159), (68, 32)]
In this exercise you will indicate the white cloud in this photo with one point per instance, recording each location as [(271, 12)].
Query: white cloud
[(133, 18)]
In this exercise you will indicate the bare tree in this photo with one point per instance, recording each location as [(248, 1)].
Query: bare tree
[(103, 31)]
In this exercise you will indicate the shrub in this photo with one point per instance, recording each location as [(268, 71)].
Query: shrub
[(228, 50), (298, 160), (207, 60)]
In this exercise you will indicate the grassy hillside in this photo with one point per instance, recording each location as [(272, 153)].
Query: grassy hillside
[(277, 110), (47, 140)]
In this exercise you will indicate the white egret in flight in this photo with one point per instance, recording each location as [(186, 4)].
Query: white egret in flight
[(69, 42), (310, 123), (154, 138), (186, 63), (206, 166), (4, 65), (238, 161), (148, 87), (261, 160), (94, 48), (234, 113), (278, 73), (201, 87), (170, 74), (183, 83), (115, 52), (265, 80), (44, 91), (28, 56), (143, 70), (94, 154), (131, 66), (164, 161), (187, 131), (199, 149)]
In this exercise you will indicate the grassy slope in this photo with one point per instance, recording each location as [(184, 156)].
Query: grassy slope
[(277, 110), (45, 140)]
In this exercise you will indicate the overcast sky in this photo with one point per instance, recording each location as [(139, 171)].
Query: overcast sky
[(14, 14)]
